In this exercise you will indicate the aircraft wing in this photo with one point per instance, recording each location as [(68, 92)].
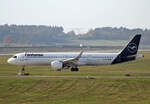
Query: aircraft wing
[(72, 61)]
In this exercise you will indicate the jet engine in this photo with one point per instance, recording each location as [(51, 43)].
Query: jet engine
[(57, 65)]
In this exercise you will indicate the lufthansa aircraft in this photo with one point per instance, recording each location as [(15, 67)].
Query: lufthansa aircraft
[(64, 60)]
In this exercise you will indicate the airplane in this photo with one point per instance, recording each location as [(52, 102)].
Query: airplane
[(63, 60)]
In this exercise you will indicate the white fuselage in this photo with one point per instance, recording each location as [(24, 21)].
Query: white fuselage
[(47, 58)]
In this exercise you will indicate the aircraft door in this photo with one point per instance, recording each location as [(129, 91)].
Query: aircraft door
[(23, 60)]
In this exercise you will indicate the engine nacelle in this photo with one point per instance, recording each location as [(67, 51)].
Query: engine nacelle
[(56, 65)]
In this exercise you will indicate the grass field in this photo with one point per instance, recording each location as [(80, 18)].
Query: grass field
[(34, 90), (101, 42)]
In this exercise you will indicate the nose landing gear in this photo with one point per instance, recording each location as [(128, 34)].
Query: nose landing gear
[(22, 72)]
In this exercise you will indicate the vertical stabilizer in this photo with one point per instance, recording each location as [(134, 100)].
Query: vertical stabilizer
[(130, 51)]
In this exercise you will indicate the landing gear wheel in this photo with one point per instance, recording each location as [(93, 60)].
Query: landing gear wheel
[(22, 72), (74, 69)]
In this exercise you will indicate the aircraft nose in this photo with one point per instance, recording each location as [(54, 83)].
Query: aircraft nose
[(10, 60)]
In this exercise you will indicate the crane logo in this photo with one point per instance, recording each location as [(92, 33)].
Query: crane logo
[(132, 47)]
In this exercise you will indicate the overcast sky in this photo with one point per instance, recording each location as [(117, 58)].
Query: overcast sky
[(82, 14)]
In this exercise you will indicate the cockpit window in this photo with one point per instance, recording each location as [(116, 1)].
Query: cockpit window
[(15, 57)]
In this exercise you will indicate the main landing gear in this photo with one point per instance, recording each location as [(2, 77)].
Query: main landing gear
[(74, 69), (22, 72)]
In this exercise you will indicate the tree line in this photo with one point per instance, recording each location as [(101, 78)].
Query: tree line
[(55, 34)]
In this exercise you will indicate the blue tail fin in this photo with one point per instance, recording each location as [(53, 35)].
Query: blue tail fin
[(129, 52)]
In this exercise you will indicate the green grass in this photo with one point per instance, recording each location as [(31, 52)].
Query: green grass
[(30, 90), (74, 91)]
